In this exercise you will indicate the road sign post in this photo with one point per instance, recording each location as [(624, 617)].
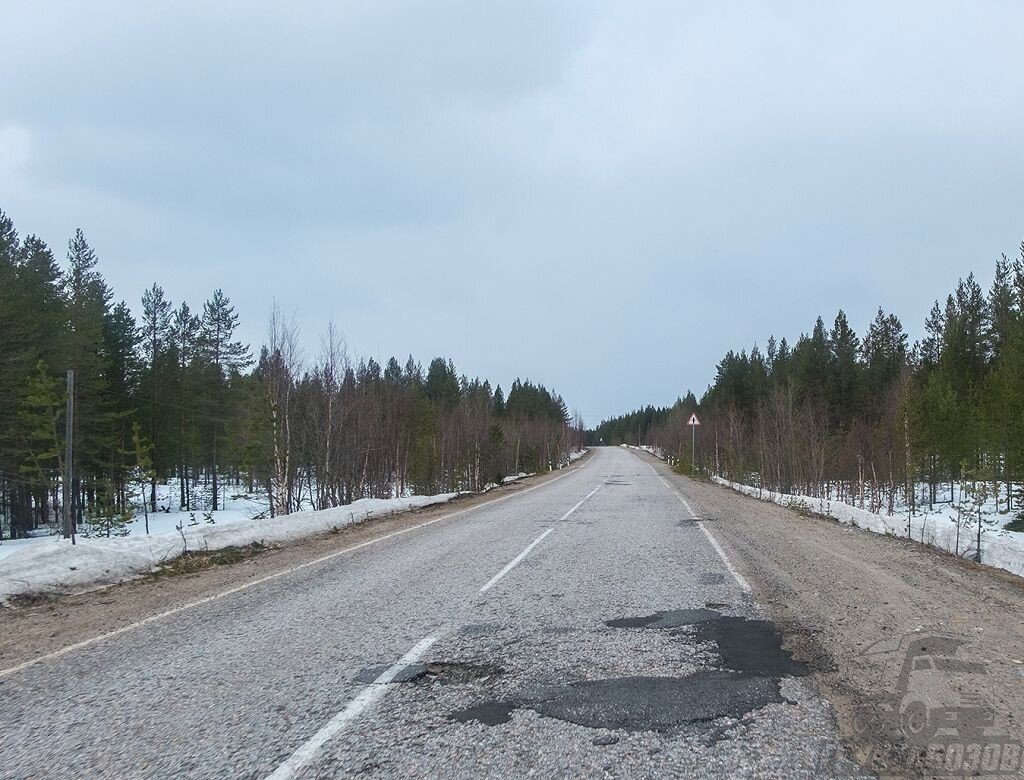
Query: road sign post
[(693, 423)]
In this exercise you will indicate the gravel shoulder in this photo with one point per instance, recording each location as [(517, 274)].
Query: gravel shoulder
[(35, 628), (852, 605)]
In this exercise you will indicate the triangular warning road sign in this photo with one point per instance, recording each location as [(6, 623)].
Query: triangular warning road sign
[(693, 420)]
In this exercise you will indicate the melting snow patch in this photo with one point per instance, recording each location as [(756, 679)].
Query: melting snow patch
[(55, 565), (1000, 548)]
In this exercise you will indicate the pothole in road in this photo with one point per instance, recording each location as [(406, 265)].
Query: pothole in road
[(448, 673), (691, 522), (440, 672)]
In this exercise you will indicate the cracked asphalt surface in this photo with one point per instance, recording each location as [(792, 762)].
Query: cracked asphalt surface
[(619, 645)]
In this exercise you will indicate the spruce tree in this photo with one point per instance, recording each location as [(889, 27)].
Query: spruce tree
[(185, 359)]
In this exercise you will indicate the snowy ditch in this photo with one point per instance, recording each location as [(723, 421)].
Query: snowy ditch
[(1000, 548)]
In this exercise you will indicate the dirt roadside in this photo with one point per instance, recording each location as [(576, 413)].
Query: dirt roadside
[(885, 624), (34, 629)]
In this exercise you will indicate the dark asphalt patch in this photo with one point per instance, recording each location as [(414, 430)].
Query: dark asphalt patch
[(750, 646), (489, 713), (673, 618), (744, 645), (659, 704), (753, 665)]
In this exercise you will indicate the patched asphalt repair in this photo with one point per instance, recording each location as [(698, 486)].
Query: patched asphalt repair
[(751, 665)]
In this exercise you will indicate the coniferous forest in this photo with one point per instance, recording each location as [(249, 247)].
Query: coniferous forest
[(871, 419), (174, 397)]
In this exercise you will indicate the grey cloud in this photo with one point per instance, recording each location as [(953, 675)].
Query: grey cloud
[(602, 196)]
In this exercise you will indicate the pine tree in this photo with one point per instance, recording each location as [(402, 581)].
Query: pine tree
[(223, 356), (885, 354), (1003, 314), (442, 384), (155, 337), (931, 345), (184, 348), (41, 446), (121, 372), (88, 303), (844, 377), (17, 356)]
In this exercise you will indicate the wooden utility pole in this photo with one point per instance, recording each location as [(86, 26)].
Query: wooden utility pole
[(69, 434)]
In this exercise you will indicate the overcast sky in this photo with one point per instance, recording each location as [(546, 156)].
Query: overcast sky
[(604, 197)]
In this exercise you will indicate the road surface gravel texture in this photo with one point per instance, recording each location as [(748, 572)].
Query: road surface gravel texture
[(585, 624)]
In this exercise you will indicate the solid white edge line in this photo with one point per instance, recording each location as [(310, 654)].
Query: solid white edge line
[(366, 698), (514, 562), (245, 586), (740, 579)]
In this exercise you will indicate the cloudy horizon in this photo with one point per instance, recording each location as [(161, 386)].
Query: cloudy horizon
[(602, 198)]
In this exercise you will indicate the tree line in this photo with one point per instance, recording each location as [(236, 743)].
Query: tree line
[(870, 419), (175, 396)]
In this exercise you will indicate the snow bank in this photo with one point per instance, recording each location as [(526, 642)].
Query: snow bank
[(1000, 548), (235, 508), (655, 451), (54, 565), (515, 478)]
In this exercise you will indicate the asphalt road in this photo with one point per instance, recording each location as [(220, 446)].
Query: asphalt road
[(587, 627)]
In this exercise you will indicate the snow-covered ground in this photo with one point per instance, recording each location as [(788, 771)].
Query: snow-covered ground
[(999, 548), (237, 507), (53, 564), (48, 563)]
